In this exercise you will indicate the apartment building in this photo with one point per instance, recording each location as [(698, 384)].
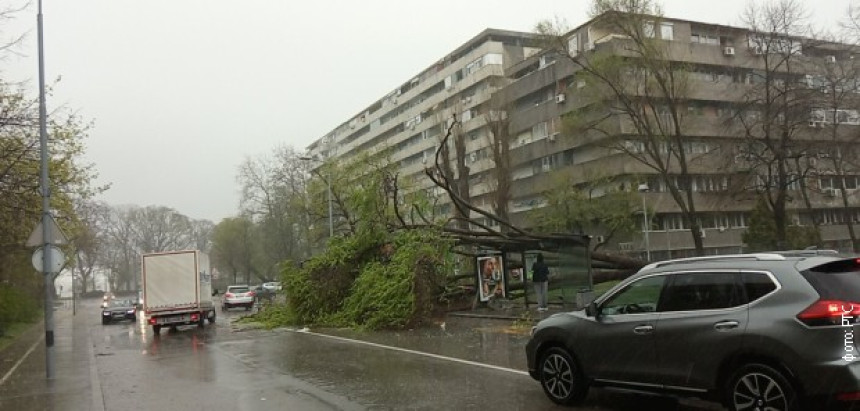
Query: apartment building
[(722, 63), (541, 88), (410, 120)]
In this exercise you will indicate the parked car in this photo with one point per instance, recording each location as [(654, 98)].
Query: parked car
[(119, 310), (272, 286), (755, 331), (238, 296)]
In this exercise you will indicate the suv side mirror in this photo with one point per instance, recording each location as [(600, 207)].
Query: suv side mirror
[(591, 309)]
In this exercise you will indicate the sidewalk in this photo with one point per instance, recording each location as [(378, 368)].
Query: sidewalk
[(24, 386), (508, 310)]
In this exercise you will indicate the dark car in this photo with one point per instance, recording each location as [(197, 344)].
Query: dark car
[(754, 332), (119, 310)]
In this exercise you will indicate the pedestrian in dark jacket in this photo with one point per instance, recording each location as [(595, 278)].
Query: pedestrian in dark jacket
[(540, 277)]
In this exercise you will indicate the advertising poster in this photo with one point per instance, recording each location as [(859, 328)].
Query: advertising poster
[(490, 278)]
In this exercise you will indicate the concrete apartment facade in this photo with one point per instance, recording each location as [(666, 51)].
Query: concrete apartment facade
[(540, 88)]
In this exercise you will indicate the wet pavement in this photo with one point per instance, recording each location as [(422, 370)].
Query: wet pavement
[(471, 360)]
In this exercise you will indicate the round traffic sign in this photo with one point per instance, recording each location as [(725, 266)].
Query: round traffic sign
[(58, 259)]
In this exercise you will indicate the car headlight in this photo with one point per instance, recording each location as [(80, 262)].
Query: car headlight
[(131, 311), (105, 313)]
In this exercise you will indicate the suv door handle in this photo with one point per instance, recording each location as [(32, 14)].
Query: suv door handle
[(726, 325), (643, 329)]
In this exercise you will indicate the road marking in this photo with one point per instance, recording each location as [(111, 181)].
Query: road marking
[(406, 350), (21, 360)]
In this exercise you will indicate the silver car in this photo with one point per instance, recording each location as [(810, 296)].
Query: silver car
[(754, 332), (238, 296)]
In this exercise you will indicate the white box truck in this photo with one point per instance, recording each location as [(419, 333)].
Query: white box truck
[(177, 289)]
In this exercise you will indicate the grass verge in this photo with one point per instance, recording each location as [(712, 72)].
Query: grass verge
[(13, 331)]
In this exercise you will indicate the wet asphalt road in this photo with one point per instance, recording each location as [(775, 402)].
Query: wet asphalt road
[(468, 364)]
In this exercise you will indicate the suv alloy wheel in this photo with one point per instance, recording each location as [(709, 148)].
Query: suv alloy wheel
[(757, 387), (561, 377)]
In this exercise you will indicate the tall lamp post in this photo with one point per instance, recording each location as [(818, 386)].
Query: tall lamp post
[(643, 188), (328, 189), (44, 182)]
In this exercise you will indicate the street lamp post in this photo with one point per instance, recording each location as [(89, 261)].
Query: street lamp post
[(44, 183), (643, 188), (328, 190)]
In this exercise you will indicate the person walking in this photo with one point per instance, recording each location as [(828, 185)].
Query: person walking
[(540, 277)]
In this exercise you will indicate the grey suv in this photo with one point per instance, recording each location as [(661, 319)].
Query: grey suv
[(753, 331)]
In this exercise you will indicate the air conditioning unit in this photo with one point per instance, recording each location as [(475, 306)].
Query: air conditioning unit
[(552, 137), (830, 59), (728, 51), (830, 192), (559, 98)]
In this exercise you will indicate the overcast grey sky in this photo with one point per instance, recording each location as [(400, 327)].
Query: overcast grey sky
[(181, 91)]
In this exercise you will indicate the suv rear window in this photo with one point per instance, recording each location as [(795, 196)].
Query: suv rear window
[(757, 285), (237, 290), (838, 280)]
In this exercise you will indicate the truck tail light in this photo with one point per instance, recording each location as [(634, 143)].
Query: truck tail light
[(152, 321), (195, 317), (849, 396), (829, 312)]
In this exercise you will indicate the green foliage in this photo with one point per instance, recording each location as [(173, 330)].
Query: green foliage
[(374, 273), (599, 207), (761, 233), (16, 307), (381, 284), (20, 166)]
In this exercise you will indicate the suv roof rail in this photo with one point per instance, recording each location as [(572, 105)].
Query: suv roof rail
[(807, 252), (755, 256)]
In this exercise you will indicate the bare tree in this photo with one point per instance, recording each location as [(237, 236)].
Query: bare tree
[(90, 240), (776, 105), (635, 95), (499, 143)]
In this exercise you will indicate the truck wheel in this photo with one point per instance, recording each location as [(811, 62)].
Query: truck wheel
[(156, 329), (212, 317), (202, 321)]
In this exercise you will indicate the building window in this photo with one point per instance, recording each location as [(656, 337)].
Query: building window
[(704, 39), (493, 58), (573, 45), (667, 32), (540, 130), (648, 29)]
